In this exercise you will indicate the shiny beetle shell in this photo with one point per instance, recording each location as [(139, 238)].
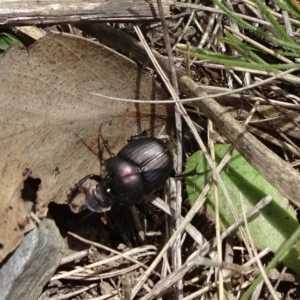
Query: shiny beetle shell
[(139, 168), (153, 158), (124, 181)]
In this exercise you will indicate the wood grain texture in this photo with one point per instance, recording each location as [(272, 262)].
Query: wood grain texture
[(28, 12), (49, 122)]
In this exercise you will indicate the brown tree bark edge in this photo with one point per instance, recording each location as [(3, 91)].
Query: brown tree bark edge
[(280, 174), (47, 12)]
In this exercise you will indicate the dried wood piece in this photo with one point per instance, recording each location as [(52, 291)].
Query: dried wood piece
[(25, 12)]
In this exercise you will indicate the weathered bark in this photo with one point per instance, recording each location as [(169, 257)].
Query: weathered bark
[(28, 12)]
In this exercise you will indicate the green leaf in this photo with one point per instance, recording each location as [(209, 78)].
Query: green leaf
[(285, 43), (235, 62), (7, 39), (248, 52), (272, 227)]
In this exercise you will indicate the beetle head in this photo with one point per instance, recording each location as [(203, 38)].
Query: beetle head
[(97, 199)]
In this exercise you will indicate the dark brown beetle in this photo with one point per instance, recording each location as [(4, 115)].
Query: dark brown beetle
[(139, 168)]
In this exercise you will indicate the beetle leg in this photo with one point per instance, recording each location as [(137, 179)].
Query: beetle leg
[(187, 174), (137, 135), (104, 141), (142, 134), (99, 143), (77, 186)]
